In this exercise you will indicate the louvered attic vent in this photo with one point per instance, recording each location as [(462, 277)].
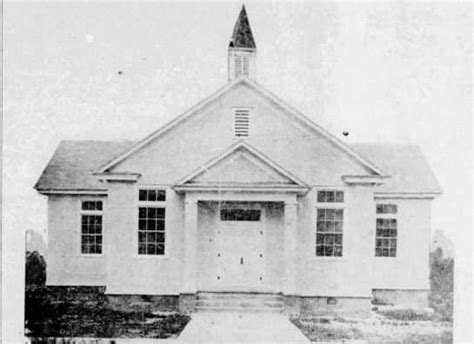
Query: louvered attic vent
[(241, 122), (241, 65)]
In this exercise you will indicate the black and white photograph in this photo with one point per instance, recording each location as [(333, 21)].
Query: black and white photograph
[(237, 172)]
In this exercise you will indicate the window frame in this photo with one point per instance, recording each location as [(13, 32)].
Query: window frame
[(91, 212), (151, 204), (386, 216), (329, 205)]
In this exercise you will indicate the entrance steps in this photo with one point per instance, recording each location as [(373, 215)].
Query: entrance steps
[(239, 302)]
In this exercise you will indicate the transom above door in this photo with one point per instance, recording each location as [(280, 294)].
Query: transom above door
[(240, 246)]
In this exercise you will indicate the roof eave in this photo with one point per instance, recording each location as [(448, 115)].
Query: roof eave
[(364, 180), (49, 192), (182, 188), (408, 195), (117, 177)]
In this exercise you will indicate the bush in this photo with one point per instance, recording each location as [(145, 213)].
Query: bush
[(35, 269), (85, 312), (442, 281), (442, 304), (441, 273)]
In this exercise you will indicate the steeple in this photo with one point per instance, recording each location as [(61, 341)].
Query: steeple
[(242, 36), (242, 51)]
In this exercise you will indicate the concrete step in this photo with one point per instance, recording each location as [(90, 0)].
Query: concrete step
[(239, 303), (239, 309), (246, 296)]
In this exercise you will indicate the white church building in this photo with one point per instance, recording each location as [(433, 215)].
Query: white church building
[(241, 195)]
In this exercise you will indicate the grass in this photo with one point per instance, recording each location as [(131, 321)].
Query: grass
[(407, 315), (445, 337), (402, 332), (315, 331), (77, 315)]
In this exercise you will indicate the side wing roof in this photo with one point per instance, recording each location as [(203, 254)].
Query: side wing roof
[(73, 162), (71, 167), (405, 163)]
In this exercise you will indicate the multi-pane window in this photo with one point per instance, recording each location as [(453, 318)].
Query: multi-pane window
[(386, 230), (151, 222), (152, 195), (386, 208), (329, 232), (330, 196), (92, 205), (240, 214), (91, 227), (329, 224)]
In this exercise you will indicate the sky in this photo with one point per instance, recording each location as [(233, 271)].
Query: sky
[(384, 72)]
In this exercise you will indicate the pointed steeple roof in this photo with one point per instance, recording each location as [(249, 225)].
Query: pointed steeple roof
[(242, 36)]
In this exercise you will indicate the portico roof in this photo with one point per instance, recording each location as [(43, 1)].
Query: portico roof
[(241, 167)]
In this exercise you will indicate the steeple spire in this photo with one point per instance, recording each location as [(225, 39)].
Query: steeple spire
[(242, 52), (242, 36)]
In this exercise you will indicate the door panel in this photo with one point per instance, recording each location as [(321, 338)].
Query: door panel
[(240, 255)]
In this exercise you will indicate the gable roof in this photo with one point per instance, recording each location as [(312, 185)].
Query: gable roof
[(73, 162), (265, 93), (242, 36), (245, 147)]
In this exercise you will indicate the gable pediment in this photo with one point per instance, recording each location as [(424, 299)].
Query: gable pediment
[(241, 92), (241, 165)]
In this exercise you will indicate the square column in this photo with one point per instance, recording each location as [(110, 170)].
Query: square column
[(290, 247), (190, 246)]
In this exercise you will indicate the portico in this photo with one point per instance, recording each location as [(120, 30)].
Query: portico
[(240, 220), (240, 254)]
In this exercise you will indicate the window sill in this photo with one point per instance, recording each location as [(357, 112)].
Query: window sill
[(329, 259), (151, 256), (385, 258), (91, 255)]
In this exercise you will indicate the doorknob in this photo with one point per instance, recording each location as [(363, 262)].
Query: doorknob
[(241, 260)]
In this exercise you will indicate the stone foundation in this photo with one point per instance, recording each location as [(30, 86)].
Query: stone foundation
[(401, 297), (187, 303), (335, 306), (147, 303), (62, 297), (292, 305)]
